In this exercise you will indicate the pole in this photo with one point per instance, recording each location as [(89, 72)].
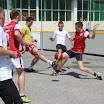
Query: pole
[(41, 35)]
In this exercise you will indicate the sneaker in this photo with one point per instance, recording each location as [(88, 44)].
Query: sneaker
[(31, 70), (61, 71), (25, 100), (99, 76), (55, 74), (54, 63)]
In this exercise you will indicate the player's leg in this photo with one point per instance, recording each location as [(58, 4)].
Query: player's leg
[(9, 92), (59, 48), (78, 57), (34, 61), (18, 64), (35, 51), (63, 60), (85, 69), (21, 80)]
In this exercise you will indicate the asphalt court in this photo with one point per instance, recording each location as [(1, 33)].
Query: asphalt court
[(71, 87)]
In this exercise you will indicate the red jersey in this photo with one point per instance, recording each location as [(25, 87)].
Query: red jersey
[(79, 41), (9, 30)]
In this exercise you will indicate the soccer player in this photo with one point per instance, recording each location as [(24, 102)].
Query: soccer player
[(26, 32), (78, 49), (8, 91), (13, 32), (60, 36)]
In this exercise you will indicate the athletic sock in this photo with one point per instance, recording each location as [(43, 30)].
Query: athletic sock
[(31, 66), (49, 62)]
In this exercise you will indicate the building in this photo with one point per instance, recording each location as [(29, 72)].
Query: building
[(53, 11)]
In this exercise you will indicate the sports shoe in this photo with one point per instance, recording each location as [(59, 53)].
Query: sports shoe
[(99, 76), (31, 70), (25, 100), (61, 71), (55, 74), (54, 63)]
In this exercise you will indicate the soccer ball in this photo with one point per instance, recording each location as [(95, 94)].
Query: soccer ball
[(58, 56)]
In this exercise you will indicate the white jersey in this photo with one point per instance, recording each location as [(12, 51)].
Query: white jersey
[(5, 63), (61, 36)]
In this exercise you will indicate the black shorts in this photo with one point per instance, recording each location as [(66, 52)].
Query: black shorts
[(9, 93), (72, 54), (60, 46), (87, 30)]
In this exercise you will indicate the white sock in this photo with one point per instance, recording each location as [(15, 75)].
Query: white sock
[(49, 62), (31, 66)]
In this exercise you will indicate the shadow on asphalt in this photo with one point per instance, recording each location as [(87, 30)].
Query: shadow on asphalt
[(77, 75)]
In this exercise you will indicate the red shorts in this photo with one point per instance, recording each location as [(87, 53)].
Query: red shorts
[(30, 48)]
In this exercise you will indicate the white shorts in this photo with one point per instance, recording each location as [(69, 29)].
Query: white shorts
[(17, 62)]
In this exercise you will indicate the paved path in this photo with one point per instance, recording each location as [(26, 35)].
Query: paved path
[(71, 87)]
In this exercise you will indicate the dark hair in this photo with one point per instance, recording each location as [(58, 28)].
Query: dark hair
[(60, 22), (29, 19), (14, 14), (79, 24)]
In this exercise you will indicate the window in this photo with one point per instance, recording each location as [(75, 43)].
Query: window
[(56, 10), (93, 13), (32, 4), (3, 4), (52, 10)]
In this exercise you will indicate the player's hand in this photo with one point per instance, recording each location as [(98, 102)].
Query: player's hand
[(96, 26), (35, 40), (14, 54), (23, 49), (28, 44), (50, 38)]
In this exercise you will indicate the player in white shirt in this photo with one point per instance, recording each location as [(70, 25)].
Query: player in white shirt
[(60, 36), (8, 90)]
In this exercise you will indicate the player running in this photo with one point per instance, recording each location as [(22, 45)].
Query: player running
[(13, 32), (78, 49), (26, 32)]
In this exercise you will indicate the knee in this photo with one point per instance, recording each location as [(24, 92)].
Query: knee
[(81, 68), (20, 71), (37, 57)]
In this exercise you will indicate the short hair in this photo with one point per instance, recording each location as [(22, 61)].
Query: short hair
[(29, 19), (79, 23), (60, 22), (1, 12), (14, 14)]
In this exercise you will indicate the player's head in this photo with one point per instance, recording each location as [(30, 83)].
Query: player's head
[(78, 26), (60, 25), (14, 14), (2, 17), (29, 21)]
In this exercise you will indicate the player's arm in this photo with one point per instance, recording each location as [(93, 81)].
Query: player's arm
[(4, 52), (54, 36), (20, 40), (72, 41), (34, 40), (92, 36)]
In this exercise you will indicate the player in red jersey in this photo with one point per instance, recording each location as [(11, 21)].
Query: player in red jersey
[(13, 32), (78, 49)]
